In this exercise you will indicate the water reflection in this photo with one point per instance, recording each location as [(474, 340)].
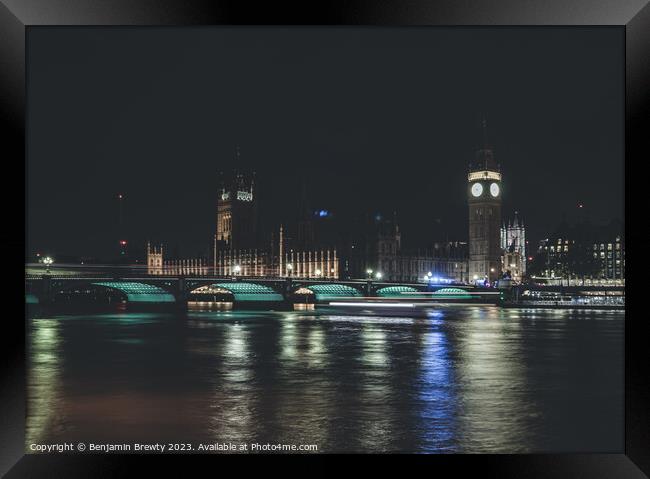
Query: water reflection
[(436, 392), (477, 379), (43, 380), (490, 365)]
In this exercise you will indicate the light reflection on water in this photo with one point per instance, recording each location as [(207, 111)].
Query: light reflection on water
[(478, 379)]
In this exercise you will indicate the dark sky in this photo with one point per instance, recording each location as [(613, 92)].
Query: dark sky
[(376, 118)]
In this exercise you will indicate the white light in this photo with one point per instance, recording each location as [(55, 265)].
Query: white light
[(475, 277), (429, 274), (318, 272), (245, 196), (388, 305), (368, 271), (289, 266), (378, 275), (237, 268)]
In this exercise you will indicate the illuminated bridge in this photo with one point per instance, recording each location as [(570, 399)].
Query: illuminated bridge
[(181, 290)]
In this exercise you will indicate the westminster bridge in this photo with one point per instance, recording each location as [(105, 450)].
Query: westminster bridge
[(132, 285), (135, 287)]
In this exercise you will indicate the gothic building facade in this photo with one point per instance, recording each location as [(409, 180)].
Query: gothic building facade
[(379, 251), (513, 245), (238, 249)]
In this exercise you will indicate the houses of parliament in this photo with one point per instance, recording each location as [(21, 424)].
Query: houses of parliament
[(313, 246)]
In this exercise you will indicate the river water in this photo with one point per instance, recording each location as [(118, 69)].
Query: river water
[(463, 379)]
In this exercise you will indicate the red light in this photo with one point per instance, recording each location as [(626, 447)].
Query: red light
[(123, 242)]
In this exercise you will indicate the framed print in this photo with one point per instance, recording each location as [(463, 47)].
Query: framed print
[(366, 229)]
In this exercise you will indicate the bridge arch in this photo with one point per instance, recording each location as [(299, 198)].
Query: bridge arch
[(329, 291), (395, 291), (139, 292), (452, 293), (131, 291), (240, 291)]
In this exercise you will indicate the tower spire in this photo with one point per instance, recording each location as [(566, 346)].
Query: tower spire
[(484, 130)]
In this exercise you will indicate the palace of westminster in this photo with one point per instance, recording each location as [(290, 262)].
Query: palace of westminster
[(308, 250), (313, 247)]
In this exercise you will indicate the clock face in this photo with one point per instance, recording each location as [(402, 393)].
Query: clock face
[(477, 189), (494, 190)]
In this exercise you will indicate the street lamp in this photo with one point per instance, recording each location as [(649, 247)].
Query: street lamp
[(369, 273), (289, 268), (237, 269), (378, 275), (47, 261), (318, 272)]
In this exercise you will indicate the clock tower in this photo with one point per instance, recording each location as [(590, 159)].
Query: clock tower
[(484, 200), (237, 211)]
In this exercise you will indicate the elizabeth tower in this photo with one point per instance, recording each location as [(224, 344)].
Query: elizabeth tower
[(484, 200)]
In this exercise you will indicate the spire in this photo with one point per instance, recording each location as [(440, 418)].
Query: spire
[(484, 130), (484, 153)]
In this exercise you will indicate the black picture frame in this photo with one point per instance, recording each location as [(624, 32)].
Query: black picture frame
[(16, 16)]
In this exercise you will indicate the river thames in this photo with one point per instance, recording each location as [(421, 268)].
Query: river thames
[(463, 379)]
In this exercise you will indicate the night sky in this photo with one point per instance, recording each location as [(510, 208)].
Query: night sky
[(376, 119)]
